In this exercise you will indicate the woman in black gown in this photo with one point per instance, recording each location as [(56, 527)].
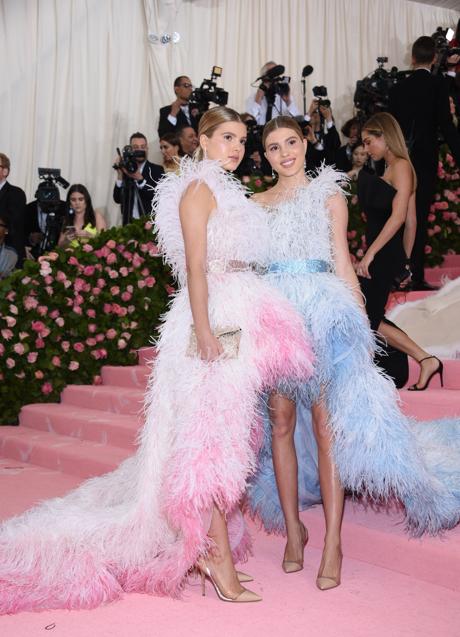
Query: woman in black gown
[(389, 205)]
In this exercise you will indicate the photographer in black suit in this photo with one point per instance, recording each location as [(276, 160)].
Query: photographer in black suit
[(135, 190), (420, 103), (179, 114), (13, 204)]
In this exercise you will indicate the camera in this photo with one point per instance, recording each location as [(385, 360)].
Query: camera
[(49, 200), (207, 92), (320, 94), (278, 83), (442, 38), (128, 159), (372, 92)]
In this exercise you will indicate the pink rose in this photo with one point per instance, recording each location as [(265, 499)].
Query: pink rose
[(42, 310), (428, 249), (111, 258), (7, 334), (92, 327), (77, 309), (19, 348), (110, 244), (39, 374), (257, 183), (91, 313), (78, 347), (2, 349), (47, 388), (10, 321), (148, 225), (56, 361), (39, 343), (73, 366), (101, 283), (133, 325), (79, 284), (111, 333), (13, 309), (23, 335), (10, 363), (38, 326), (60, 321), (89, 270), (73, 261), (437, 229), (141, 284), (48, 280), (100, 338), (127, 256), (124, 271), (113, 274), (431, 217), (107, 308), (11, 295), (114, 290), (245, 179), (65, 346), (430, 232), (87, 247), (25, 280), (126, 296), (54, 314), (91, 342), (61, 276), (97, 380), (137, 261), (49, 290), (32, 357), (150, 281), (96, 291)]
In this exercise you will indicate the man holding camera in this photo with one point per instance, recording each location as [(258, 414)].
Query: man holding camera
[(420, 103), (273, 97), (13, 204), (137, 179), (179, 114)]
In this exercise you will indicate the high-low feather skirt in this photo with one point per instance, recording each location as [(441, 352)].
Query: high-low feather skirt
[(378, 451), (143, 526)]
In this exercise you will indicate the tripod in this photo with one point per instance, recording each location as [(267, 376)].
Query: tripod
[(130, 194)]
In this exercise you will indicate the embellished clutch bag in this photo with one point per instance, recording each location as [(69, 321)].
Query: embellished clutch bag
[(228, 337)]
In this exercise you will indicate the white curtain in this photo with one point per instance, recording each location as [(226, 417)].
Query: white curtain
[(77, 77)]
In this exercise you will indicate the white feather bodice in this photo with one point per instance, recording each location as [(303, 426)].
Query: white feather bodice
[(300, 227), (237, 228)]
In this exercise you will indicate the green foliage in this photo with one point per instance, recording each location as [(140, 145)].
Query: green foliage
[(76, 310)]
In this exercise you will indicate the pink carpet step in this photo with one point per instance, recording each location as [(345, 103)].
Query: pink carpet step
[(398, 298), (451, 375), (78, 422), (119, 400), (146, 355), (435, 276), (378, 537), (431, 404), (62, 453), (130, 376), (451, 261)]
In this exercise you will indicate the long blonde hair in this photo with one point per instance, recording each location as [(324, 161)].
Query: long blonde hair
[(386, 125), (211, 120)]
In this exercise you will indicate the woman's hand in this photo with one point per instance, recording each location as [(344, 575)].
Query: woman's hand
[(362, 268), (83, 233), (209, 348)]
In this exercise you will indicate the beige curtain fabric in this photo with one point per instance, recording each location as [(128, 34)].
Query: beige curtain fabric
[(78, 76)]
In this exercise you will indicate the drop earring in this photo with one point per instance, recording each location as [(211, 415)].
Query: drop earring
[(273, 174)]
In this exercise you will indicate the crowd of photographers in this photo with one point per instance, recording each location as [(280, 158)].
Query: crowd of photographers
[(420, 102)]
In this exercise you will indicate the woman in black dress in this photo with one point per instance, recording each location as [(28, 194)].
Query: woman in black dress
[(389, 205)]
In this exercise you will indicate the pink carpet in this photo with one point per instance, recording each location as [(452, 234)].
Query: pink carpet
[(392, 586)]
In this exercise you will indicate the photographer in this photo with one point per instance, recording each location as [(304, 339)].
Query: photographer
[(344, 155), (179, 113), (321, 133), (137, 179), (81, 222), (13, 204), (35, 227), (420, 103), (272, 98), (8, 255)]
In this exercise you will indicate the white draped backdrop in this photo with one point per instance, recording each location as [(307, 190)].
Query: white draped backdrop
[(78, 76)]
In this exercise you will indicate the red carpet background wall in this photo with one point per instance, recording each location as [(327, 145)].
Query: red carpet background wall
[(63, 318)]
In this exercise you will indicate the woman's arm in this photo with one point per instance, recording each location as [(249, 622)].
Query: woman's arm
[(101, 223), (194, 210), (343, 266), (411, 227), (403, 183)]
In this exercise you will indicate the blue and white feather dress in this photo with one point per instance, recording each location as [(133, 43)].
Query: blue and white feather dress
[(378, 451)]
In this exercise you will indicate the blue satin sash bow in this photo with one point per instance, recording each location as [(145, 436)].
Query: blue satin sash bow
[(307, 266)]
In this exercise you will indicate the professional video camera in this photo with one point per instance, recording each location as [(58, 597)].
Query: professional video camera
[(128, 159), (274, 83), (320, 94), (442, 38), (207, 92), (372, 92), (49, 200)]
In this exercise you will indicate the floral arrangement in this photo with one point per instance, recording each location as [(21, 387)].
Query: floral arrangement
[(257, 183), (77, 309), (443, 220)]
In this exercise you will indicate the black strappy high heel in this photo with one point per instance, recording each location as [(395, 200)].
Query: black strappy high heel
[(439, 370)]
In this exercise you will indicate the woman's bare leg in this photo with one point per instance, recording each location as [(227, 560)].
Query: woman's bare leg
[(220, 559), (283, 419), (332, 494), (399, 340)]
